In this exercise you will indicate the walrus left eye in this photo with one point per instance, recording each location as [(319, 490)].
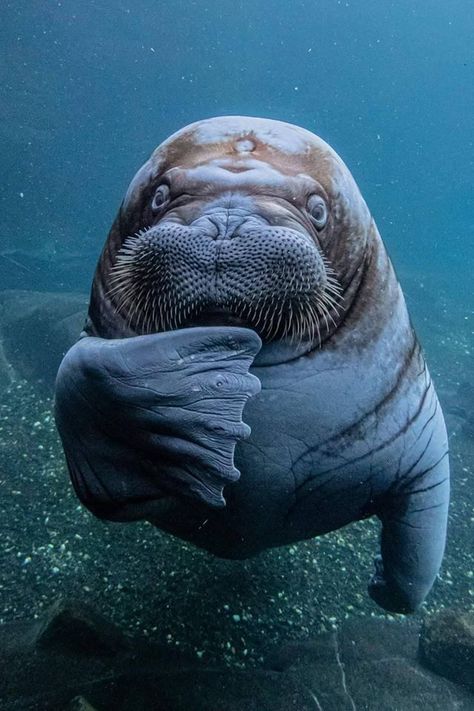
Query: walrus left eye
[(161, 197), (318, 211)]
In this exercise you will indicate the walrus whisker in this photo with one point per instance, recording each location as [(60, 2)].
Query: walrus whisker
[(330, 301), (259, 320), (317, 313), (124, 299), (330, 317), (278, 322), (289, 319), (334, 290), (133, 312), (152, 317), (310, 323), (329, 297), (147, 309)]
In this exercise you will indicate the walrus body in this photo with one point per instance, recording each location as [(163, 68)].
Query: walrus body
[(244, 264)]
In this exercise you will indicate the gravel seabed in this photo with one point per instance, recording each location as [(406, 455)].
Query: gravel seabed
[(151, 584)]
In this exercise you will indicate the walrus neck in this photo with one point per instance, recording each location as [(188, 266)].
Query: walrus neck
[(374, 301), (282, 351)]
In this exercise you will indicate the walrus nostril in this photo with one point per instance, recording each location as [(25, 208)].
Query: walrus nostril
[(225, 226)]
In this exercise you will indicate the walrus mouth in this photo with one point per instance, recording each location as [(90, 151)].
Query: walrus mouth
[(273, 280), (216, 316)]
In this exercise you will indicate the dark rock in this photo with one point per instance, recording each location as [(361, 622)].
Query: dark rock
[(369, 664), (203, 690), (36, 330), (396, 683), (73, 660), (447, 645), (74, 628), (363, 639), (79, 703), (313, 663), (48, 662)]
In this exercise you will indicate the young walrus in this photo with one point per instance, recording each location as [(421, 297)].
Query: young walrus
[(244, 263)]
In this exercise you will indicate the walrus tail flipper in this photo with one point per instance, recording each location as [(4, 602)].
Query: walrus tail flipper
[(413, 539), (154, 416)]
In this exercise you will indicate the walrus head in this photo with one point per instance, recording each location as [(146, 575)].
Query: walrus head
[(235, 221)]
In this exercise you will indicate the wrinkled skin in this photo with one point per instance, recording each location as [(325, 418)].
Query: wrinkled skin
[(223, 281), (168, 411)]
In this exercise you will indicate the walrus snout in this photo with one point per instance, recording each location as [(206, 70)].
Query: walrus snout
[(239, 272)]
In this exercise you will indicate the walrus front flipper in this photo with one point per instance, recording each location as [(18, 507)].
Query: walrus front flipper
[(152, 416), (413, 536)]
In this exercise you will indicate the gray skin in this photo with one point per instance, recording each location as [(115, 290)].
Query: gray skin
[(205, 311)]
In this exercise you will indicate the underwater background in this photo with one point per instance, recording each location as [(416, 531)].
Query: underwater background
[(88, 89)]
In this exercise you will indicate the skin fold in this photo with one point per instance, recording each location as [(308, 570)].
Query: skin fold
[(245, 277)]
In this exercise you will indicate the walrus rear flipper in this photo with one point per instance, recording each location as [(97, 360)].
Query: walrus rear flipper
[(148, 417), (414, 533)]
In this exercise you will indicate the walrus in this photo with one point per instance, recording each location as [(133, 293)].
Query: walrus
[(244, 270)]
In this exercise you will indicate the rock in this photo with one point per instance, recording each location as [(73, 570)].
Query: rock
[(395, 683), (74, 660), (447, 645), (36, 329), (369, 664), (79, 703), (313, 663), (203, 690), (74, 628), (48, 666)]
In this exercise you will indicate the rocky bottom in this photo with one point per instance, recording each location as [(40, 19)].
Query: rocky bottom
[(72, 659)]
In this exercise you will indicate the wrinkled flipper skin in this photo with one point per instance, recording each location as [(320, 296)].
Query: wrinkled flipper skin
[(158, 415), (414, 523)]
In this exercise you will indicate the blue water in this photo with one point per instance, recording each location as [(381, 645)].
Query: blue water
[(89, 89)]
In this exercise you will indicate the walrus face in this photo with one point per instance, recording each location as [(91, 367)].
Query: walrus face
[(225, 262), (233, 222)]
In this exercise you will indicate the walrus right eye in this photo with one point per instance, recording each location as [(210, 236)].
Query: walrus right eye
[(318, 210), (160, 198)]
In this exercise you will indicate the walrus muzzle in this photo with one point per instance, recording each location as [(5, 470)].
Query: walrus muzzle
[(273, 280)]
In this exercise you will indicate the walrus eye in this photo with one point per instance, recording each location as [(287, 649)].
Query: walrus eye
[(161, 197), (318, 211)]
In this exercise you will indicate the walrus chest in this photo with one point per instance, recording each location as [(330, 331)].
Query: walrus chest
[(321, 430)]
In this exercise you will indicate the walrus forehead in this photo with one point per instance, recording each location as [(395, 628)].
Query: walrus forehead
[(288, 149), (280, 136), (238, 150)]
